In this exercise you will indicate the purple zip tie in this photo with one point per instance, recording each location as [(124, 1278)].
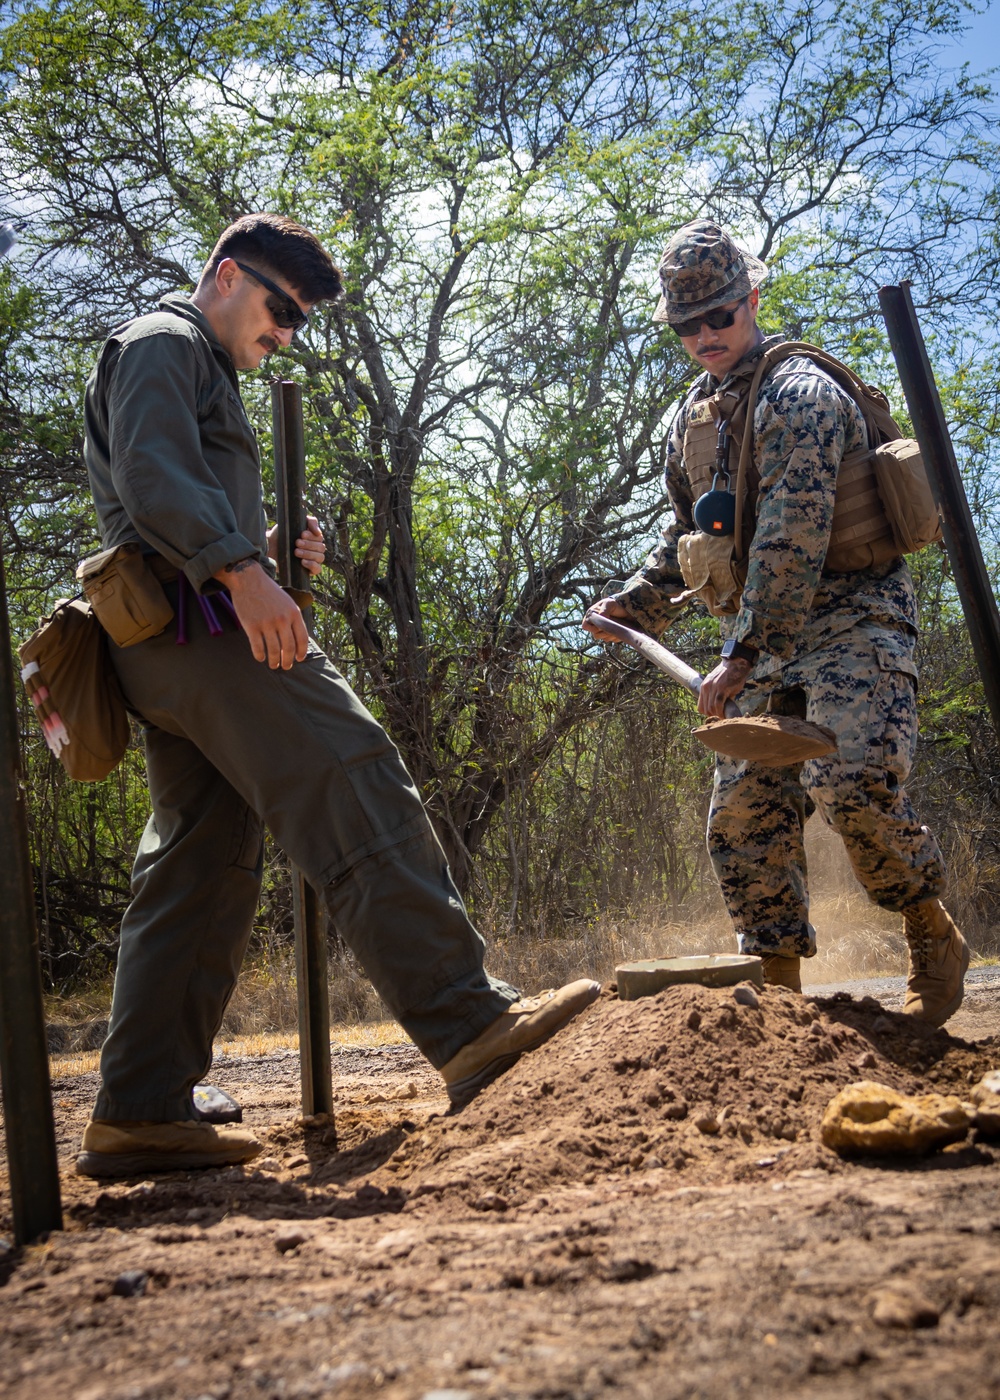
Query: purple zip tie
[(208, 612), (181, 611), (227, 603), (215, 628)]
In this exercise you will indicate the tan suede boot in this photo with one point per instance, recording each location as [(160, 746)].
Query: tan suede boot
[(131, 1149), (783, 972), (523, 1026), (939, 958)]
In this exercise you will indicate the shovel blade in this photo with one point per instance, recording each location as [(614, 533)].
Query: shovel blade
[(777, 741)]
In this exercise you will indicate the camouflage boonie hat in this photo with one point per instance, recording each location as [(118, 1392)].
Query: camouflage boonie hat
[(702, 268)]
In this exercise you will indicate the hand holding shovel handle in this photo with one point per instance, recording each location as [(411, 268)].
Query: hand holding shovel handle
[(662, 659), (775, 740)]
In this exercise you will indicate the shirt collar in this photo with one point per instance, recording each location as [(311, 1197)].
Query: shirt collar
[(185, 308)]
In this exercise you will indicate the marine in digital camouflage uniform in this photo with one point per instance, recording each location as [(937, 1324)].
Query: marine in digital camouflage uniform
[(833, 648)]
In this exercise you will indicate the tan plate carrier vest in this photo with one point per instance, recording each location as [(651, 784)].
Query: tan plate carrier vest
[(884, 506)]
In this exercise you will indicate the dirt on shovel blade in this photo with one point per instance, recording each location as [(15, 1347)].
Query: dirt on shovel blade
[(771, 739)]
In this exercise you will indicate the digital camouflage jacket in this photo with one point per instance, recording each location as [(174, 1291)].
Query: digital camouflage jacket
[(803, 425)]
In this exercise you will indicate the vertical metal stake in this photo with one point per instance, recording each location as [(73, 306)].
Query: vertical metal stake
[(24, 1060), (314, 1004), (971, 578), (310, 935)]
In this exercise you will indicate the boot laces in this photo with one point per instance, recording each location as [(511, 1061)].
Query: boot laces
[(920, 937)]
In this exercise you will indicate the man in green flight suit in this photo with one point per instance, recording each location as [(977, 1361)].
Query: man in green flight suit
[(798, 637), (246, 724)]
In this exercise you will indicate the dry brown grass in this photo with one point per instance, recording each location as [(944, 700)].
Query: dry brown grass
[(76, 1062), (79, 1006), (371, 1033), (266, 1000), (367, 1035), (855, 938)]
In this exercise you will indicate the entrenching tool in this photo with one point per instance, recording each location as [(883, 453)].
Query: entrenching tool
[(776, 740)]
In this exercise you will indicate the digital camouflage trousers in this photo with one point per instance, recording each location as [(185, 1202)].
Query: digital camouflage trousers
[(862, 685)]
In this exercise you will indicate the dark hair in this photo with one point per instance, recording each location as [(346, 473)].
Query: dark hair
[(285, 247)]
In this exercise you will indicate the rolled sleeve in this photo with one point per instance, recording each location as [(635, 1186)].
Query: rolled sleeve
[(173, 499), (216, 556)]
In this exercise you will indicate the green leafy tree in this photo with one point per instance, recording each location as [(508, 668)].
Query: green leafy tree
[(485, 414)]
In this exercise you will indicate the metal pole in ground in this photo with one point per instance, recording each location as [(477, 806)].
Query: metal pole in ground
[(961, 541), (310, 935), (24, 1060)]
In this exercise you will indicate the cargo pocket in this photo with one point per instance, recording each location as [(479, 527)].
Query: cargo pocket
[(246, 850), (892, 724)]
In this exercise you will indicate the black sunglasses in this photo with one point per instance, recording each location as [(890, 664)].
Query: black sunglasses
[(286, 312), (718, 320)]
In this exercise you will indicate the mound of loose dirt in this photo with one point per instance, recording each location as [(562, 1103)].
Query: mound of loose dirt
[(714, 1083), (404, 1252)]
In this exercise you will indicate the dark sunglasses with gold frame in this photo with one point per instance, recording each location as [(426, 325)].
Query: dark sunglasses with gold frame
[(286, 311)]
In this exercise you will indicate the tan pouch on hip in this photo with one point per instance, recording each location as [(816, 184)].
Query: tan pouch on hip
[(127, 598), (75, 692), (711, 572)]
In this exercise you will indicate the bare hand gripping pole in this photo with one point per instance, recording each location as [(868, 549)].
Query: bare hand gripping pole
[(774, 740), (310, 937)]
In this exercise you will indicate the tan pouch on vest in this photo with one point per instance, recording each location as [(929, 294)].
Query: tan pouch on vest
[(860, 536), (75, 692), (906, 494), (710, 572), (127, 599), (884, 508)]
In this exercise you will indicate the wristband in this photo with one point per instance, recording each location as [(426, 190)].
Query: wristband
[(733, 648)]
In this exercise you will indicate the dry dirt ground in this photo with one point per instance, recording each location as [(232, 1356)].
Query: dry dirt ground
[(640, 1208)]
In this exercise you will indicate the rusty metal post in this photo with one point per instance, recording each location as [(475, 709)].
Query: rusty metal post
[(24, 1060), (310, 935), (961, 541)]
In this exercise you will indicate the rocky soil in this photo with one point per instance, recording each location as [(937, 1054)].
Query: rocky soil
[(641, 1207)]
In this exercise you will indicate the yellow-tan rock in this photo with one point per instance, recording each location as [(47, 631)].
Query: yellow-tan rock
[(986, 1098), (873, 1119), (902, 1305)]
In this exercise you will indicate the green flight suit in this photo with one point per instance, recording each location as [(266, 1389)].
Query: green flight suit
[(232, 745)]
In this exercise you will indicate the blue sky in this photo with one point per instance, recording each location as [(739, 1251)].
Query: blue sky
[(980, 47)]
